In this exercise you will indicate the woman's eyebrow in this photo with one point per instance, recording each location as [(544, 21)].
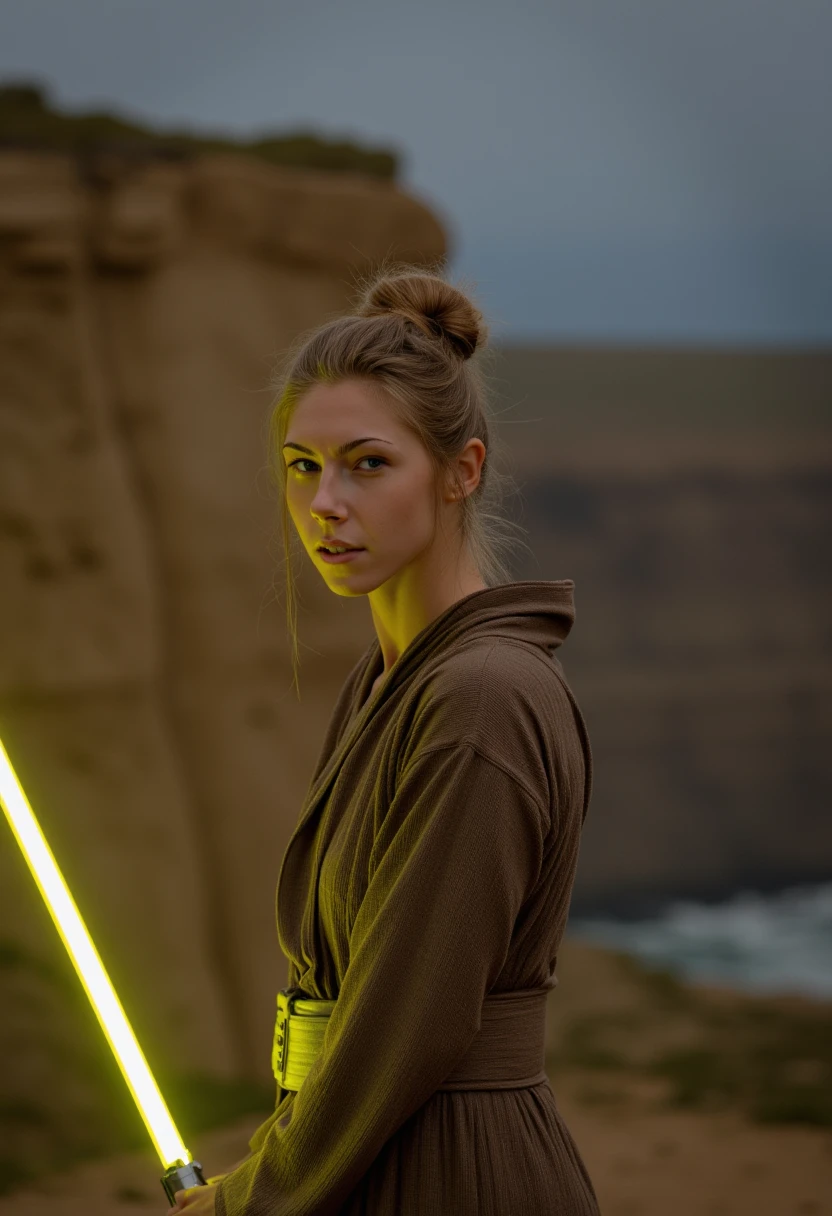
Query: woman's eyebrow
[(344, 448)]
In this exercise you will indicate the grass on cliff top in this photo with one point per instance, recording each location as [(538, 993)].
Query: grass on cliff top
[(28, 120), (766, 1058)]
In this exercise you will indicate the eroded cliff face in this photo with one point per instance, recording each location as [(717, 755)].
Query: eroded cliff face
[(145, 677), (688, 494)]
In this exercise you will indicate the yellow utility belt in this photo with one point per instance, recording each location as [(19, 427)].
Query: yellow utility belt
[(303, 1021), (506, 1053)]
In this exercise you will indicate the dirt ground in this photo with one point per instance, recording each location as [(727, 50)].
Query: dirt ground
[(642, 1164), (608, 1018)]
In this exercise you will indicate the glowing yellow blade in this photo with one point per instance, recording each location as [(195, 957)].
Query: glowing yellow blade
[(84, 955)]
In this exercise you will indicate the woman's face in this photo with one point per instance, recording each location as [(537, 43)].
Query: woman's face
[(378, 496)]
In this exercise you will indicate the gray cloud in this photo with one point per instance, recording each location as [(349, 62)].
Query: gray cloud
[(658, 170)]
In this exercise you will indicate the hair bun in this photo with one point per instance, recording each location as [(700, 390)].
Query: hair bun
[(437, 308)]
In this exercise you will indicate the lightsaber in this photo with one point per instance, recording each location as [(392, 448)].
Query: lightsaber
[(181, 1171)]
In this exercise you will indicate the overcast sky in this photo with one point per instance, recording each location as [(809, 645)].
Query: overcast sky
[(619, 170)]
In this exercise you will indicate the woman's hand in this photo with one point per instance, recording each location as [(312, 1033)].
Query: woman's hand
[(198, 1200), (192, 1198)]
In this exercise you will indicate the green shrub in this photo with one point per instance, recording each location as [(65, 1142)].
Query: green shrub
[(28, 120)]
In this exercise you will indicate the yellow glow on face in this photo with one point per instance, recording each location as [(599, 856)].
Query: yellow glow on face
[(84, 955)]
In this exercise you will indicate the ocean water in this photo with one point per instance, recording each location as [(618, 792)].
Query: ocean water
[(755, 943)]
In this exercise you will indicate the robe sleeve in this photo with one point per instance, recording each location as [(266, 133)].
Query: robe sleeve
[(459, 850)]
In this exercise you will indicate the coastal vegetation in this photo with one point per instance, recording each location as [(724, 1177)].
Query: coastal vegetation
[(29, 120)]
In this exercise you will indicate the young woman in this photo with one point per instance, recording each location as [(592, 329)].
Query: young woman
[(424, 893)]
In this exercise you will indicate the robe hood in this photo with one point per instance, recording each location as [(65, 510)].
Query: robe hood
[(536, 611)]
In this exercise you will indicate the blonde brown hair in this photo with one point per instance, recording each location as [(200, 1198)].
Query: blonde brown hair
[(420, 339)]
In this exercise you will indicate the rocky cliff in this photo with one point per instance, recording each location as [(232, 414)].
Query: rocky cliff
[(145, 676)]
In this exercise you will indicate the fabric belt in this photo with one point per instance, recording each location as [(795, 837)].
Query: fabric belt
[(506, 1053)]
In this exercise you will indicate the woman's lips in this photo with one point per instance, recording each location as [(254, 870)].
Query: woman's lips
[(340, 557)]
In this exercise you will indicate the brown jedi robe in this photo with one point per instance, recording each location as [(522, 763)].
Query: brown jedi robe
[(432, 864)]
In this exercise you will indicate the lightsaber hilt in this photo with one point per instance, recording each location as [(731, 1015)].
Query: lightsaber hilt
[(181, 1176)]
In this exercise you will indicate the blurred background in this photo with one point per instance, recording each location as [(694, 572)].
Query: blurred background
[(640, 198)]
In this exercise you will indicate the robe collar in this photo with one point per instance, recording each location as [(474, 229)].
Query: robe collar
[(536, 611)]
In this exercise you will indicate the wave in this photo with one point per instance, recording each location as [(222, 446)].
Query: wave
[(778, 943)]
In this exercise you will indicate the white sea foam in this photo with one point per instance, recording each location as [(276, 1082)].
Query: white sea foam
[(756, 943)]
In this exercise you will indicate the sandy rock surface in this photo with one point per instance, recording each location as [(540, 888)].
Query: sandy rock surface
[(145, 681)]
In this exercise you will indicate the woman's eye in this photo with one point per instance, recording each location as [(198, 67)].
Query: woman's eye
[(304, 460)]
